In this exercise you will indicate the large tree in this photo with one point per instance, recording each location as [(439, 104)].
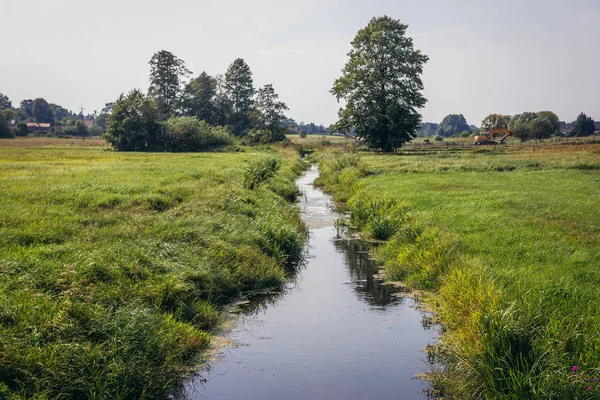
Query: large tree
[(381, 84), (133, 124), (41, 111), (4, 102), (198, 98), (269, 113), (583, 126), (26, 108), (452, 125), (167, 73), (495, 121), (222, 103), (240, 90)]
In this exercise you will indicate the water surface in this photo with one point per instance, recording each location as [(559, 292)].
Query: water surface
[(335, 333)]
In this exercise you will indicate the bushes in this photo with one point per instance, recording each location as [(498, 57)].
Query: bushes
[(188, 134)]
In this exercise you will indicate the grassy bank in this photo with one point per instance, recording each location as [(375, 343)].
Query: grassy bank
[(113, 266), (508, 242)]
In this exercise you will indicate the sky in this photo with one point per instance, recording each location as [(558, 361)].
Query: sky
[(486, 56)]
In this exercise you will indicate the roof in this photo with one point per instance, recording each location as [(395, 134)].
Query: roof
[(89, 123), (39, 125)]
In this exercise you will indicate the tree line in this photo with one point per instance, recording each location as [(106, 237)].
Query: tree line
[(204, 112), (64, 121), (525, 126)]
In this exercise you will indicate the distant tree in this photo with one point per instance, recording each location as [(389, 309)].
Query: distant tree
[(22, 129), (240, 90), (381, 84), (59, 112), (452, 125), (41, 111), (495, 121), (5, 116), (166, 78), (542, 127), (4, 102), (198, 98), (100, 121), (26, 107), (530, 125), (133, 124), (81, 129), (269, 113), (302, 133), (553, 118), (222, 103), (583, 126), (107, 109)]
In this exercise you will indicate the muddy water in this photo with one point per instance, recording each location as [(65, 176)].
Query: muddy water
[(336, 333)]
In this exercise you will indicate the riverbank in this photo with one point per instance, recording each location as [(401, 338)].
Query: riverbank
[(114, 266), (507, 243), (336, 332)]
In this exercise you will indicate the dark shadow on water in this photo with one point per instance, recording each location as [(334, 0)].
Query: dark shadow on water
[(361, 269)]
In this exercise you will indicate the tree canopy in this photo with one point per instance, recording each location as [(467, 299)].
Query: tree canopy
[(4, 102), (166, 78), (240, 90), (198, 98), (269, 114), (133, 123), (381, 84), (583, 126), (530, 125), (453, 125), (495, 121), (41, 111)]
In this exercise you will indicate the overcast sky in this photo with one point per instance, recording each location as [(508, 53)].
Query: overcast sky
[(486, 56)]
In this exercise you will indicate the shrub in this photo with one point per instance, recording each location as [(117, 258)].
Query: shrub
[(259, 172), (302, 133), (22, 129), (186, 134)]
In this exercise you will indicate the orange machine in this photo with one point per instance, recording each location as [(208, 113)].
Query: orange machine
[(489, 137)]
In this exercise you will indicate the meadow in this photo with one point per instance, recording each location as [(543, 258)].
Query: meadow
[(114, 267), (506, 244)]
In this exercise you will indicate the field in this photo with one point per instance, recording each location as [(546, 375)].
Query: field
[(113, 266), (507, 241)]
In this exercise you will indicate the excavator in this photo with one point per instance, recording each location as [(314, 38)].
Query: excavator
[(490, 136)]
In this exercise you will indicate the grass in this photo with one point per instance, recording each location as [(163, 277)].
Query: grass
[(113, 266), (508, 242)]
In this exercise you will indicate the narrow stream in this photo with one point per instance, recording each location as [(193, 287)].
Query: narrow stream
[(336, 333)]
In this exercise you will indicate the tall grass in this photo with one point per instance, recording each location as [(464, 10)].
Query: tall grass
[(113, 266), (507, 241)]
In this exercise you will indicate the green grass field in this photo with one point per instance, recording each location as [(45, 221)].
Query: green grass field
[(113, 266), (508, 241)]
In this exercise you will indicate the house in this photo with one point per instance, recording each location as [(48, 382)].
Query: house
[(565, 128), (40, 127), (89, 123)]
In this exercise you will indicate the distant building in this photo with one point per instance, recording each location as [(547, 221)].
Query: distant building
[(40, 127), (565, 128), (597, 130), (89, 123)]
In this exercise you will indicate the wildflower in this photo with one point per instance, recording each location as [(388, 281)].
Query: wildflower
[(574, 369), (589, 388), (593, 380)]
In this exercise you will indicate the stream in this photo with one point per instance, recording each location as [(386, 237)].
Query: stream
[(335, 333)]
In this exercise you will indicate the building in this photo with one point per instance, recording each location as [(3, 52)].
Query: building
[(89, 123), (565, 128), (40, 127)]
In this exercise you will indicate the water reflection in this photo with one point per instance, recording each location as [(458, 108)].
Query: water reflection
[(361, 269), (335, 332)]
